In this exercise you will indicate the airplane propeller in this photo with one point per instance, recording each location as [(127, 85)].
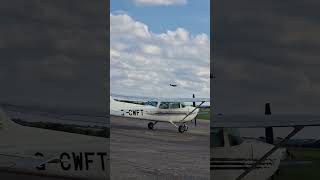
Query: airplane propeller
[(268, 130), (194, 105)]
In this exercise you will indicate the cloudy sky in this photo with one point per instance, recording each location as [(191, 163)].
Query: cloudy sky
[(53, 53), (267, 51), (157, 42)]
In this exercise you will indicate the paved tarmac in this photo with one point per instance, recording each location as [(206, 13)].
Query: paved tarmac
[(138, 153)]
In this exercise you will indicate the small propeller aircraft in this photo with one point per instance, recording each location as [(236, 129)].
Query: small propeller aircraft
[(172, 110), (234, 158), (49, 153)]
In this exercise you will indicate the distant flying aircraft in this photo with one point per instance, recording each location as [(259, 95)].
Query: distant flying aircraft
[(173, 85), (233, 158), (171, 110)]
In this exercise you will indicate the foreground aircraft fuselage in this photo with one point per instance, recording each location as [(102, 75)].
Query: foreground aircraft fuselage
[(231, 156), (237, 159)]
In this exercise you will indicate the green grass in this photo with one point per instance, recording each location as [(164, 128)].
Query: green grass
[(308, 171), (204, 113), (306, 153)]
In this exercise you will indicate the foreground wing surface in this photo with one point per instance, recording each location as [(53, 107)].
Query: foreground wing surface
[(45, 114), (261, 121), (51, 112), (24, 149), (144, 99)]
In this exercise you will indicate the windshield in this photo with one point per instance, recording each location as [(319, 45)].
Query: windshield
[(216, 139), (169, 105), (152, 103), (164, 105), (174, 105)]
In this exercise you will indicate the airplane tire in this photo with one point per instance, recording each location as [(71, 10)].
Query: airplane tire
[(181, 129), (185, 127), (150, 125)]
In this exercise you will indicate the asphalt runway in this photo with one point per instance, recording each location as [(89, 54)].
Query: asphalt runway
[(138, 153)]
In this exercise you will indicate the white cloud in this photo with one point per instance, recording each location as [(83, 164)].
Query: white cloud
[(159, 2), (151, 49), (145, 63)]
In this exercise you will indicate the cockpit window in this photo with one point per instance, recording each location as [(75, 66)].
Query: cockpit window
[(169, 105), (234, 136), (164, 105), (152, 103), (216, 139), (174, 105)]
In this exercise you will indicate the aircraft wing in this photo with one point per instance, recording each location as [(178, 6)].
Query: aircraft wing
[(144, 99), (48, 111), (262, 121), (25, 112), (23, 149), (22, 160)]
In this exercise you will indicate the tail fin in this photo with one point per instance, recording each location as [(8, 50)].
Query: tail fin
[(267, 110)]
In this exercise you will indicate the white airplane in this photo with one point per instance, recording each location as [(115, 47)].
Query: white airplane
[(172, 110), (51, 153), (234, 158)]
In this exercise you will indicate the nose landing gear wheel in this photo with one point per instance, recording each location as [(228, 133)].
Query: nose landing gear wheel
[(183, 128), (150, 125)]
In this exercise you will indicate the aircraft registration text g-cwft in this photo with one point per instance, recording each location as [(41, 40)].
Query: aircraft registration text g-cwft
[(130, 112), (77, 161)]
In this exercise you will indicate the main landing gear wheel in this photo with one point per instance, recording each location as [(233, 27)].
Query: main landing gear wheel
[(150, 125), (183, 128)]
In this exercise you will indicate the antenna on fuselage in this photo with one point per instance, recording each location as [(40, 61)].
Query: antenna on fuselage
[(268, 130)]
